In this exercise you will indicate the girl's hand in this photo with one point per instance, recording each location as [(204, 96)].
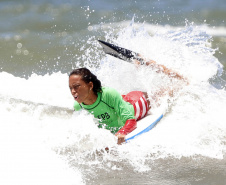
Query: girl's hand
[(121, 138)]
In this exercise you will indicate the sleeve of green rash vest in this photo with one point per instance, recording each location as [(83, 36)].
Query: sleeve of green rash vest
[(124, 109)]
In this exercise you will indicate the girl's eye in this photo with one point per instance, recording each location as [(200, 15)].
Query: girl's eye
[(76, 86)]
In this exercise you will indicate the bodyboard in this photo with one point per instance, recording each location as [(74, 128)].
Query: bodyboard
[(144, 125)]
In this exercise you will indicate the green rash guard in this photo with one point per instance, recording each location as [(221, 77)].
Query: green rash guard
[(111, 110)]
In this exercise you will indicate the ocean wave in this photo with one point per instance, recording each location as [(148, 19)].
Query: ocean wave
[(218, 31)]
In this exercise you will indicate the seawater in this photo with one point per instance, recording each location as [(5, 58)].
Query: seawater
[(44, 142)]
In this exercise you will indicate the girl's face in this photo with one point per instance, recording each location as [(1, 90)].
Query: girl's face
[(81, 91)]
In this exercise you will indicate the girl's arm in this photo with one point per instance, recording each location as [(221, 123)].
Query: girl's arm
[(129, 126)]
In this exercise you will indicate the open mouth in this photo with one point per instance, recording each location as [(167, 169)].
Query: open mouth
[(76, 97)]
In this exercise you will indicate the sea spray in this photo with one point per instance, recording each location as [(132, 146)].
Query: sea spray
[(192, 127)]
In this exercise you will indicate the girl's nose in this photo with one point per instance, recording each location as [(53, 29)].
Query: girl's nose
[(73, 91)]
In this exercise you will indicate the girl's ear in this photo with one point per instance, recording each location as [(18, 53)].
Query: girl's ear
[(91, 85)]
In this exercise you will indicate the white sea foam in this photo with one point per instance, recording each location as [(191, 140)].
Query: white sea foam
[(198, 108), (152, 29), (48, 89), (26, 154)]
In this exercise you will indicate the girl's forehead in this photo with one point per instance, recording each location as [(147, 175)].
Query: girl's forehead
[(75, 77)]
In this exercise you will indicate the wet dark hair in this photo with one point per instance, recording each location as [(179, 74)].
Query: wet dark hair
[(87, 77)]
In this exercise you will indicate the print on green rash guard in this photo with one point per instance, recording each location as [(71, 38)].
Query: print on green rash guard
[(111, 110)]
